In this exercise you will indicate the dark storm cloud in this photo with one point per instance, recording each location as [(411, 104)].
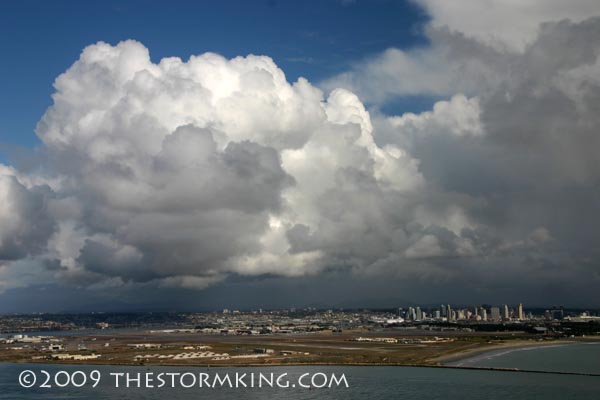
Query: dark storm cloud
[(26, 225)]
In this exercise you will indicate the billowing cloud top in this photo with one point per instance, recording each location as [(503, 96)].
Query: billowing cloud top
[(180, 174), (184, 172)]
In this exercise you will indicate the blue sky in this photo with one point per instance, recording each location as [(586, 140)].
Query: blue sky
[(315, 39)]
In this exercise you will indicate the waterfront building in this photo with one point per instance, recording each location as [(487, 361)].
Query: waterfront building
[(495, 314), (449, 313), (483, 314), (506, 314), (520, 312)]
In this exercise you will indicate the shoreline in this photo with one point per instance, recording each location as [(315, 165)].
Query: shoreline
[(462, 355), (242, 366)]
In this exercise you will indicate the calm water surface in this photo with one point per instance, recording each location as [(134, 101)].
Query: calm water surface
[(578, 357), (365, 382)]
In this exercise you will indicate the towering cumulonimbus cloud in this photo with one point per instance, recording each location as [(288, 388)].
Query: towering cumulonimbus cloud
[(182, 173)]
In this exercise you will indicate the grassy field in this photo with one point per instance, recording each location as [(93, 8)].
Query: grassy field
[(321, 348)]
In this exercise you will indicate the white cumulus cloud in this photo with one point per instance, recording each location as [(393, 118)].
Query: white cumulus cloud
[(184, 172)]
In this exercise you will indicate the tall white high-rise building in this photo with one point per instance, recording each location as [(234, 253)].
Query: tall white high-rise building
[(520, 312), (506, 313), (483, 314)]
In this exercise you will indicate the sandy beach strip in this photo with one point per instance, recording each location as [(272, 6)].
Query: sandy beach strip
[(447, 359)]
